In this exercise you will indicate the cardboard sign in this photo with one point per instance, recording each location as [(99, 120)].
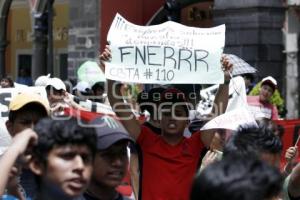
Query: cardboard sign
[(6, 94), (165, 53)]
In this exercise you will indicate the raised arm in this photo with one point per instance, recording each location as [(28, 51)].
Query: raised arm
[(123, 110), (18, 147), (220, 102)]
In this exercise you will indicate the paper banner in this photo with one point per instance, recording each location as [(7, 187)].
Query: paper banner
[(165, 53)]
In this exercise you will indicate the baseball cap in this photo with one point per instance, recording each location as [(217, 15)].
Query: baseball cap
[(22, 99), (269, 80), (82, 86), (56, 83), (109, 131), (42, 80)]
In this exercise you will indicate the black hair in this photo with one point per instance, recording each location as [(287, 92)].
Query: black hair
[(252, 141), (191, 91), (270, 84), (249, 76), (54, 133), (52, 90), (175, 97), (98, 85), (146, 99), (237, 178), (9, 79), (33, 107)]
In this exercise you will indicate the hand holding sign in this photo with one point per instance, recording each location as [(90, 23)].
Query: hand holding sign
[(105, 56), (227, 68)]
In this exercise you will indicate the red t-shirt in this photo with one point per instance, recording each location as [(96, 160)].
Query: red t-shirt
[(262, 110), (168, 171)]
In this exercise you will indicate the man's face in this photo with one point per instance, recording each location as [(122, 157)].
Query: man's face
[(110, 165), (265, 93), (24, 119), (55, 96), (5, 83), (173, 120), (68, 169)]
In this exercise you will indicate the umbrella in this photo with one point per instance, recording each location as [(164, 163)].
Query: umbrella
[(239, 65), (90, 72)]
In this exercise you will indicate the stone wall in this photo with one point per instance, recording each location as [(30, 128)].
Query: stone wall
[(254, 32), (83, 34)]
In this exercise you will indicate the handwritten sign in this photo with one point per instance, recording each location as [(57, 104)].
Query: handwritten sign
[(6, 94), (231, 120), (169, 52)]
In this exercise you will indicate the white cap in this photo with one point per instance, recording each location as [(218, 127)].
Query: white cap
[(269, 80), (82, 86), (56, 83), (42, 80)]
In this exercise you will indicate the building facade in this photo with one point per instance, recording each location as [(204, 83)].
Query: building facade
[(264, 33)]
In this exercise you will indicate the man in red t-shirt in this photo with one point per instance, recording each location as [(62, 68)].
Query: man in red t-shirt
[(260, 105), (169, 160)]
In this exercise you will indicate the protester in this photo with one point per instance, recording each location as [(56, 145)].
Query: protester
[(148, 103), (62, 159), (258, 142), (25, 109), (166, 158), (237, 178), (6, 82), (56, 91), (57, 96), (111, 162), (83, 90), (260, 105), (98, 92)]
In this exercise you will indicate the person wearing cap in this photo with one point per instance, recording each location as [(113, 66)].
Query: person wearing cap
[(260, 105), (111, 161), (56, 90), (169, 160), (25, 109), (83, 90)]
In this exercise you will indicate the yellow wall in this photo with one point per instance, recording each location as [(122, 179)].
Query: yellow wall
[(20, 33)]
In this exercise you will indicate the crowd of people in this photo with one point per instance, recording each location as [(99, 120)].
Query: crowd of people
[(158, 146)]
